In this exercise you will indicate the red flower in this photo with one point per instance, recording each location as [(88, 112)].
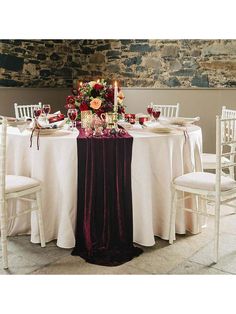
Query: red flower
[(99, 111), (70, 106), (98, 86), (83, 107), (109, 96), (70, 100)]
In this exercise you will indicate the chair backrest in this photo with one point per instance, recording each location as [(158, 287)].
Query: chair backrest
[(3, 134), (228, 113), (22, 111), (169, 111), (225, 136)]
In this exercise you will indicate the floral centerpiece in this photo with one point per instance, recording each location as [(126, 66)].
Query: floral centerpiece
[(97, 96)]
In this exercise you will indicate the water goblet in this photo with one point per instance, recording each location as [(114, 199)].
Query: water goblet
[(72, 115), (46, 110)]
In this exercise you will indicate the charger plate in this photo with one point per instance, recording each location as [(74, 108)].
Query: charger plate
[(158, 129)]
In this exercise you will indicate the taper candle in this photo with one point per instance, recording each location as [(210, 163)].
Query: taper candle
[(115, 97)]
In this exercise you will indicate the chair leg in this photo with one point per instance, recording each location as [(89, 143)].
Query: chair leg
[(231, 169), (4, 236), (40, 219), (217, 232), (172, 216)]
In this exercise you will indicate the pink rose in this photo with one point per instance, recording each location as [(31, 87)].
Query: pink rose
[(95, 103)]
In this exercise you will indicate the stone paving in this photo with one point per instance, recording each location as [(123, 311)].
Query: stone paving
[(190, 254)]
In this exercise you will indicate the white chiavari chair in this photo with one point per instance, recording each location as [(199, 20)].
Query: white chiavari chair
[(208, 187), (22, 111), (169, 111), (209, 160), (14, 187)]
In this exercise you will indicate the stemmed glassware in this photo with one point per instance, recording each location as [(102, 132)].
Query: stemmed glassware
[(72, 115), (156, 112), (46, 110), (37, 112), (150, 110)]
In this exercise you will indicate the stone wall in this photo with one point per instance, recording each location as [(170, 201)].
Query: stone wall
[(37, 63), (134, 63)]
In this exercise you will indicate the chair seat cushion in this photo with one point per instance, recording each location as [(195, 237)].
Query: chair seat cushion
[(209, 161), (204, 181), (19, 183)]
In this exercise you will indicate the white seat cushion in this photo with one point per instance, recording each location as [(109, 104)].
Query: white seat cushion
[(209, 161), (204, 181), (19, 183)]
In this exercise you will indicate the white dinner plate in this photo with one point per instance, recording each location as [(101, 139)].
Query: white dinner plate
[(159, 130), (47, 131), (182, 120)]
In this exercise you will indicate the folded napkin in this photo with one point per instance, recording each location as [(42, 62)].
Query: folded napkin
[(128, 126), (182, 120), (56, 117), (152, 124)]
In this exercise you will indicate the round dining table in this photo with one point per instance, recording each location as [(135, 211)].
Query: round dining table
[(157, 158)]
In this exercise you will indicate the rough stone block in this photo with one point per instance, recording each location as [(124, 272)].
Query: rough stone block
[(130, 61), (10, 83), (196, 53), (113, 54), (220, 48), (184, 72), (11, 62), (41, 56), (175, 65), (97, 58), (219, 65), (103, 47), (151, 62), (45, 72), (200, 81), (87, 50), (173, 82), (64, 72), (30, 68), (140, 48), (113, 68), (170, 51), (54, 56)]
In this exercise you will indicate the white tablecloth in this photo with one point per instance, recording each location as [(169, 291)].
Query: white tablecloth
[(156, 160)]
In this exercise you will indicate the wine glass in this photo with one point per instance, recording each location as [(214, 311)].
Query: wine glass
[(37, 112), (46, 110), (72, 115), (150, 110), (156, 112)]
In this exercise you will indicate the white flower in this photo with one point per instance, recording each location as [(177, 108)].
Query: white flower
[(92, 83)]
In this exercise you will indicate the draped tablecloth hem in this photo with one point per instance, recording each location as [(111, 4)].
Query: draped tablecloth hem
[(114, 257)]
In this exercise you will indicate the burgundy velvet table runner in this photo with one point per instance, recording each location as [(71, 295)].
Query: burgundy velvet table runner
[(104, 230)]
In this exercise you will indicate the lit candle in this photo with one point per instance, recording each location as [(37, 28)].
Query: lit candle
[(115, 96), (98, 81)]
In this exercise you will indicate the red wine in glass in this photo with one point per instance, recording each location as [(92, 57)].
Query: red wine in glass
[(72, 115), (156, 114), (37, 112), (46, 109), (149, 110)]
